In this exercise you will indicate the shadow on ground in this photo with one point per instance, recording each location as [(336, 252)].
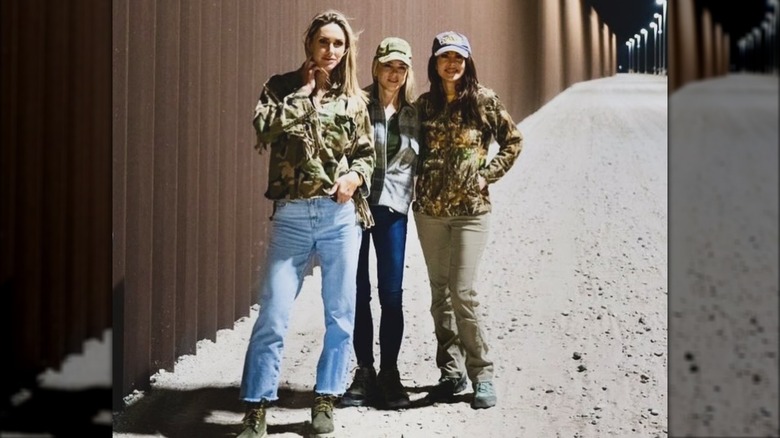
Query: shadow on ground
[(207, 412), (61, 413), (217, 412)]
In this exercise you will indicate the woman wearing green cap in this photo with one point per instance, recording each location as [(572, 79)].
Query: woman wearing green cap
[(459, 119), (396, 127)]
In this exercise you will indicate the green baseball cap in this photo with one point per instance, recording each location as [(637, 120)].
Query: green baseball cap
[(394, 49)]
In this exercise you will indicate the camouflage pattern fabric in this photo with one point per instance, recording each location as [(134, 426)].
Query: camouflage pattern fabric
[(453, 155), (310, 147)]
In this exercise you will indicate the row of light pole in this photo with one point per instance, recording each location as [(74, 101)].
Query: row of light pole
[(658, 25), (758, 48)]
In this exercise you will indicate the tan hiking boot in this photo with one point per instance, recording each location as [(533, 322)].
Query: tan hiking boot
[(322, 415), (254, 421)]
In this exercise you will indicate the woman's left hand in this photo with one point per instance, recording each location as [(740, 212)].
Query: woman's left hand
[(345, 187)]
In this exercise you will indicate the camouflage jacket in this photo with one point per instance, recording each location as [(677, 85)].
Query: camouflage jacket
[(311, 148), (453, 155)]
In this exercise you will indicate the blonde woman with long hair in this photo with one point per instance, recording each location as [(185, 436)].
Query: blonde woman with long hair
[(394, 118), (315, 122)]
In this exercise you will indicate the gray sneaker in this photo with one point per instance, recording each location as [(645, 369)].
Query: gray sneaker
[(484, 395), (254, 421), (322, 415)]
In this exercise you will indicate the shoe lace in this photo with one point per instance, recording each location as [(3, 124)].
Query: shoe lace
[(254, 417), (323, 403), (483, 387), (361, 377)]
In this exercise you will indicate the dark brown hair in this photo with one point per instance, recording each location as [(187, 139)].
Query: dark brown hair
[(466, 89)]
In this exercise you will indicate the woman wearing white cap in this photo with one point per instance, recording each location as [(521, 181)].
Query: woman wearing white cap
[(459, 118), (396, 128)]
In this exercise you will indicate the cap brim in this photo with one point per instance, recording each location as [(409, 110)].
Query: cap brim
[(395, 56), (455, 49)]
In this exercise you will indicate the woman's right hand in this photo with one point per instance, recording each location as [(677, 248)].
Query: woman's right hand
[(314, 78)]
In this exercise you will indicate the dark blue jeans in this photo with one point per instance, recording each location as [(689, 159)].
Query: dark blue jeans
[(389, 234)]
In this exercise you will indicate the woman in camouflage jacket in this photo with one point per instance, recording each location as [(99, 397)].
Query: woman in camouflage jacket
[(315, 122), (459, 119)]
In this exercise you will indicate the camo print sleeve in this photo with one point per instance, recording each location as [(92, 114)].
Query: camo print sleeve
[(281, 110), (363, 154), (506, 134)]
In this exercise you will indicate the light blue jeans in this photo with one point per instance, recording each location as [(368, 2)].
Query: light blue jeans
[(300, 230)]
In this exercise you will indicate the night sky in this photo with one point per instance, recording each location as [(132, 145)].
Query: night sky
[(625, 17)]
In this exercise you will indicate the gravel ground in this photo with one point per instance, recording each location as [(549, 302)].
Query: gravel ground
[(724, 258)]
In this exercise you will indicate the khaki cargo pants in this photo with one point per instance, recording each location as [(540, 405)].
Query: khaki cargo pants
[(453, 247)]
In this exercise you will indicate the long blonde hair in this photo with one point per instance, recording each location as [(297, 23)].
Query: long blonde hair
[(345, 73)]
